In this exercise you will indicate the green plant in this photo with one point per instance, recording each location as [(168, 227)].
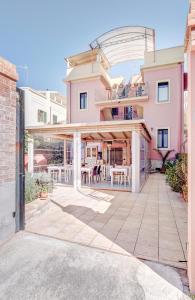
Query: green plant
[(26, 137), (176, 175), (44, 189), (172, 178), (184, 168), (31, 188), (43, 182)]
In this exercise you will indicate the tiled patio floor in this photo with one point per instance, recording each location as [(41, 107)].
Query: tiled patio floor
[(150, 225)]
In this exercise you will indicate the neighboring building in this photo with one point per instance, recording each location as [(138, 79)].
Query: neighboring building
[(43, 107), (155, 96)]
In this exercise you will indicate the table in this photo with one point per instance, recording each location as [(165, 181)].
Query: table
[(66, 169), (88, 171), (59, 169), (117, 170)]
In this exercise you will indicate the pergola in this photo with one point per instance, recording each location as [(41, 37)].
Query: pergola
[(125, 43), (106, 130)]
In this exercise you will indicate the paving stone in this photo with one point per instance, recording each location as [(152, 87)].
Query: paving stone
[(152, 224)]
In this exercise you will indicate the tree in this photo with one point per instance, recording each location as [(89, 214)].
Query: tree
[(164, 157)]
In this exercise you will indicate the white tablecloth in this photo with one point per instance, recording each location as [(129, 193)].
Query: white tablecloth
[(122, 171), (88, 171)]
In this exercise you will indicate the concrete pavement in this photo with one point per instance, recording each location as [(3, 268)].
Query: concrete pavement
[(38, 267)]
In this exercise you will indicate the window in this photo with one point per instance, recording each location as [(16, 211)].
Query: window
[(55, 119), (91, 152), (42, 116), (115, 111), (163, 138), (69, 152), (163, 92), (88, 152), (128, 112), (94, 152), (83, 100)]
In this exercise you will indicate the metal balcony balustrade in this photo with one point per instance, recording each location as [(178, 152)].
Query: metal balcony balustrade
[(127, 116), (123, 113)]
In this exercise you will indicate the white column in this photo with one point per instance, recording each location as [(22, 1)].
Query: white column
[(77, 160), (30, 155), (135, 162)]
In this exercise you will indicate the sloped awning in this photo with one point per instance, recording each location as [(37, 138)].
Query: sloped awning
[(125, 43)]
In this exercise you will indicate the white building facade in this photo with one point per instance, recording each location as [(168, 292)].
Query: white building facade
[(43, 107)]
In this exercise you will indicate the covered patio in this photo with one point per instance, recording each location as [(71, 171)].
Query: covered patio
[(107, 155)]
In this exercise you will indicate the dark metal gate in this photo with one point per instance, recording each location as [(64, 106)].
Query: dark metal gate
[(20, 174)]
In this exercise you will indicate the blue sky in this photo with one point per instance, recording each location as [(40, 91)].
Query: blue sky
[(40, 33)]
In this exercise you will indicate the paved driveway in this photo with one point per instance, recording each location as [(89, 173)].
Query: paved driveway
[(37, 267), (151, 225)]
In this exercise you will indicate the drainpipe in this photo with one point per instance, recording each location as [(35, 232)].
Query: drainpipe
[(20, 173)]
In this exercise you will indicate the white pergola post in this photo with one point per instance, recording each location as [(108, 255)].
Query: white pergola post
[(30, 155), (135, 162), (77, 160)]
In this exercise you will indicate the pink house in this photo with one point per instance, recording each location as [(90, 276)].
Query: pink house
[(155, 96), (116, 126)]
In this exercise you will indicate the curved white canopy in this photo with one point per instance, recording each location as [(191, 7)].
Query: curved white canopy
[(125, 43)]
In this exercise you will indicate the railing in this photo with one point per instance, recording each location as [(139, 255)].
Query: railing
[(123, 113), (122, 92), (127, 116)]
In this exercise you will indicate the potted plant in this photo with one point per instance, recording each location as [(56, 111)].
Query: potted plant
[(44, 184), (44, 191)]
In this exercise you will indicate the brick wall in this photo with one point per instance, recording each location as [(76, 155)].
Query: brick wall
[(8, 78)]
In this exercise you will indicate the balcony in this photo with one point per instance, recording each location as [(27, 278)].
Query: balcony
[(134, 112), (124, 94)]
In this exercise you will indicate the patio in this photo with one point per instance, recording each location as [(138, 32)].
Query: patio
[(112, 154), (150, 225)]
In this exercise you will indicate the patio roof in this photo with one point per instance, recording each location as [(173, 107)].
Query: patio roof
[(125, 43), (105, 130)]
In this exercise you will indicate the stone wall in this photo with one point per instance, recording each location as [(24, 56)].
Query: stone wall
[(8, 78)]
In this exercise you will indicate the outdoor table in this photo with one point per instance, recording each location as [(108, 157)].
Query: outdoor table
[(56, 168), (117, 170), (88, 171)]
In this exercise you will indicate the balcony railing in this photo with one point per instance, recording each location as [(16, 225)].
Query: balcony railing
[(134, 112), (127, 116), (125, 92)]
